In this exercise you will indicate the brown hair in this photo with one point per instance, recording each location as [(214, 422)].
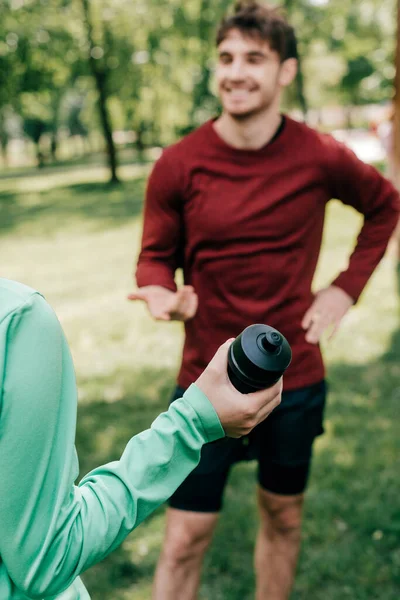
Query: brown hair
[(265, 22)]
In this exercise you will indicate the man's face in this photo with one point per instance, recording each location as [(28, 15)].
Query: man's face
[(248, 75)]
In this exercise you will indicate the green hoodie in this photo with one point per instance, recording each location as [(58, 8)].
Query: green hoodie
[(50, 529)]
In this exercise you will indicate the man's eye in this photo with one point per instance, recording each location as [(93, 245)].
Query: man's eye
[(255, 60), (225, 60)]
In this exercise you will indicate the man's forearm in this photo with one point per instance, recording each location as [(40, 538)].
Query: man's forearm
[(371, 245)]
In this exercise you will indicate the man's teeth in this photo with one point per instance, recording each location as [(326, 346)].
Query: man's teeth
[(239, 92)]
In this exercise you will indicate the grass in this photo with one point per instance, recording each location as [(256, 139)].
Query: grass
[(75, 238)]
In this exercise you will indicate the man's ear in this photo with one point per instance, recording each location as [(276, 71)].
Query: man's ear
[(288, 71)]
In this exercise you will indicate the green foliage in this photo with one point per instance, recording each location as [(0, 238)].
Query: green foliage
[(158, 56)]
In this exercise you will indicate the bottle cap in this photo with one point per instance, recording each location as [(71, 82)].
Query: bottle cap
[(258, 357)]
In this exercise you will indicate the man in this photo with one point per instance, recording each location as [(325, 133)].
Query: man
[(51, 530), (239, 204)]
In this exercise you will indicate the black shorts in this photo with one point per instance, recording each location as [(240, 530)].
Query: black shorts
[(282, 445)]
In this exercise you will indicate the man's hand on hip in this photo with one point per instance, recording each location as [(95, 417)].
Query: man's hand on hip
[(165, 305), (328, 309), (238, 413)]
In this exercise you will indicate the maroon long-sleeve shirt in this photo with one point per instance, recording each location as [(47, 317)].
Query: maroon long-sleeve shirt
[(246, 226)]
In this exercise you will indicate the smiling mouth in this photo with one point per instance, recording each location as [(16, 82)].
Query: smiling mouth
[(238, 93)]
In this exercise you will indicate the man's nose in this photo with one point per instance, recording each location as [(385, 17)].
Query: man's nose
[(237, 70)]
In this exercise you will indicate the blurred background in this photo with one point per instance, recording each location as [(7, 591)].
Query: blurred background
[(90, 92), (78, 76)]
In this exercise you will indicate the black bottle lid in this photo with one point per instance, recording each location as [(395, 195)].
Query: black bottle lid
[(257, 358)]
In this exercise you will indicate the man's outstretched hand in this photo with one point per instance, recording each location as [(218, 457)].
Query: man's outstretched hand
[(165, 305), (238, 413)]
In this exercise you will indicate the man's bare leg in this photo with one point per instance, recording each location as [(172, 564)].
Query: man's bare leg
[(278, 544), (188, 535)]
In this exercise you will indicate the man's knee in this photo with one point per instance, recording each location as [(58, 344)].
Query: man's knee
[(281, 514), (183, 545), (188, 538)]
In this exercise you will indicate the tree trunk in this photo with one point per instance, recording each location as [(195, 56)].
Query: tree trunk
[(349, 117), (139, 142), (100, 78), (202, 97), (3, 148), (4, 155), (201, 86), (300, 90), (301, 97), (55, 104), (106, 124), (3, 140), (39, 155)]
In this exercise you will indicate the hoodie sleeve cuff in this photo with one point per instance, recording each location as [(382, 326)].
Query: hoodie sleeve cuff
[(206, 412)]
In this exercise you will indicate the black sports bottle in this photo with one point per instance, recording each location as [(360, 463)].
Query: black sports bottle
[(257, 358)]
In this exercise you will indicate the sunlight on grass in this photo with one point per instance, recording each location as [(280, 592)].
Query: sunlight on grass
[(58, 178)]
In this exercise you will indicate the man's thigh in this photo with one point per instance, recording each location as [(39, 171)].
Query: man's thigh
[(283, 442)]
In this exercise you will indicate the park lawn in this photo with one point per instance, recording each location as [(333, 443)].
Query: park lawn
[(75, 238)]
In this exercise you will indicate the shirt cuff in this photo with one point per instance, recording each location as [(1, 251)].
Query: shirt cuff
[(350, 285), (154, 274), (206, 413)]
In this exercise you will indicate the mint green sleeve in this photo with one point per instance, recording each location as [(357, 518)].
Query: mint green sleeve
[(50, 529)]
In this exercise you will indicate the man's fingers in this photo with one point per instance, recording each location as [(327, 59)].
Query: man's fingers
[(162, 316), (184, 291), (138, 296), (158, 313), (191, 307), (318, 324), (184, 294), (185, 309), (153, 305), (186, 303), (183, 302), (327, 310), (334, 329), (313, 333), (306, 322)]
